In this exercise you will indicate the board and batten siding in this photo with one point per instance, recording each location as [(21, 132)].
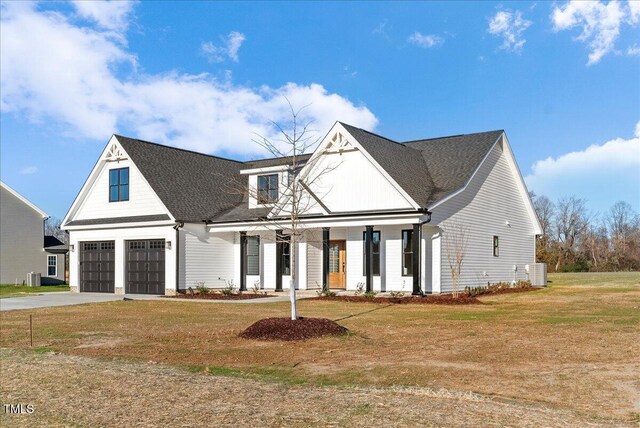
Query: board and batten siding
[(22, 240), (206, 258), (142, 199), (353, 184), (490, 205)]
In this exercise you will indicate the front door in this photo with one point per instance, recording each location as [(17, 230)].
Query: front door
[(337, 264)]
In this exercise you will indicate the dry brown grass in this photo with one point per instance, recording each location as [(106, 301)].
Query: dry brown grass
[(573, 346)]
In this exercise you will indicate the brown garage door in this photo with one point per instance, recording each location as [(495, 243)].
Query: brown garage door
[(145, 267), (97, 267)]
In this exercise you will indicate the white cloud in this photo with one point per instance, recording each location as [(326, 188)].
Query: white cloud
[(633, 50), (510, 25), (229, 48), (111, 15), (599, 23), (611, 169), (425, 40), (92, 88), (29, 170)]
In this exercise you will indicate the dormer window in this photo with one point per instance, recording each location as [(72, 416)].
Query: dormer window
[(118, 184), (267, 189)]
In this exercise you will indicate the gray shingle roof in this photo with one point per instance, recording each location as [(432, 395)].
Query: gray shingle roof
[(191, 185), (452, 160), (404, 164), (194, 186)]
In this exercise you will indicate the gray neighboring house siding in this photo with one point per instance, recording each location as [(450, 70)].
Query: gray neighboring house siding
[(22, 241)]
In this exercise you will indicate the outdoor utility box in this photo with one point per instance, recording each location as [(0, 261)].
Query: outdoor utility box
[(537, 273), (33, 279)]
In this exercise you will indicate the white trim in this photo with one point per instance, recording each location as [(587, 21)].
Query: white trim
[(121, 225), (277, 168), (317, 222), (25, 200), (55, 257)]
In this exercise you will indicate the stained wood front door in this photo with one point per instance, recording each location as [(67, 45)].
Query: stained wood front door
[(337, 264)]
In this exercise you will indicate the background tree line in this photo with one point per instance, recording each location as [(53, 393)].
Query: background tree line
[(576, 240)]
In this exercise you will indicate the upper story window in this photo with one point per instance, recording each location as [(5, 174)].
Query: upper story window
[(496, 246), (118, 184), (375, 253), (267, 188)]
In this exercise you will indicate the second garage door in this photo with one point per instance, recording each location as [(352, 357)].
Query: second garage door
[(145, 266)]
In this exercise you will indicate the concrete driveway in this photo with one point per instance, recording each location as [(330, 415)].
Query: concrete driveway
[(64, 298)]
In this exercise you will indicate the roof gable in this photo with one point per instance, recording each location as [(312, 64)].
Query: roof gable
[(190, 184), (23, 200)]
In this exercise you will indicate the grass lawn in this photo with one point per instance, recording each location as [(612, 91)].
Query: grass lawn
[(8, 290), (573, 346)]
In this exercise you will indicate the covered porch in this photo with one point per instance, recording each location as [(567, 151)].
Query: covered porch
[(400, 253)]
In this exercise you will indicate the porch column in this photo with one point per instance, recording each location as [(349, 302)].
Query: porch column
[(325, 259), (368, 258), (279, 260), (416, 259), (243, 261)]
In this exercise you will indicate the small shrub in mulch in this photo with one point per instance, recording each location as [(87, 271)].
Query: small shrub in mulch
[(288, 329), (219, 296), (442, 299)]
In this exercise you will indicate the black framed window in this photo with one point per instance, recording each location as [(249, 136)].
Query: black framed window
[(496, 246), (407, 252), (118, 184), (253, 255), (267, 188), (375, 253), (52, 266), (286, 254)]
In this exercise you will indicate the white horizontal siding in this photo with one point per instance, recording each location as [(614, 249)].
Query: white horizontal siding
[(491, 199), (208, 257)]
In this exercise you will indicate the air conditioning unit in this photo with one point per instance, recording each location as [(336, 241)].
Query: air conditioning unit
[(537, 274), (33, 279)]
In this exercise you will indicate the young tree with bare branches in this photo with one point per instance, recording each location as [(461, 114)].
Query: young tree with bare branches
[(456, 236), (295, 139)]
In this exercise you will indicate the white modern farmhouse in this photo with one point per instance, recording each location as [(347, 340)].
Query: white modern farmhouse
[(381, 215)]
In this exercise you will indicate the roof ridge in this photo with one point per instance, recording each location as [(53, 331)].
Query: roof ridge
[(451, 136), (372, 133), (178, 148), (277, 157)]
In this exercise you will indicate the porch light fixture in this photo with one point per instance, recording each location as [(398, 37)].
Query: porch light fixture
[(168, 245), (72, 247)]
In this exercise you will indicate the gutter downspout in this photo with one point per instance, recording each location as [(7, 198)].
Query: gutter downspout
[(177, 228), (419, 225)]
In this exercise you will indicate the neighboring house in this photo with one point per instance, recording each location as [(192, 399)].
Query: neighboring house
[(152, 218), (23, 246)]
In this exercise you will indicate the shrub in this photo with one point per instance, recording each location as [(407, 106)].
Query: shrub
[(369, 294), (201, 288), (396, 294), (326, 293), (359, 288), (229, 289)]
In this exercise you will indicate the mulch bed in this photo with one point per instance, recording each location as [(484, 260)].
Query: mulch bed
[(287, 329), (510, 290), (443, 299), (219, 296)]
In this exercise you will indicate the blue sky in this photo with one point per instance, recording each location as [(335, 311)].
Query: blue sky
[(562, 78)]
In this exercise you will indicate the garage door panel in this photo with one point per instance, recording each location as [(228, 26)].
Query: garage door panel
[(97, 267), (145, 267)]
